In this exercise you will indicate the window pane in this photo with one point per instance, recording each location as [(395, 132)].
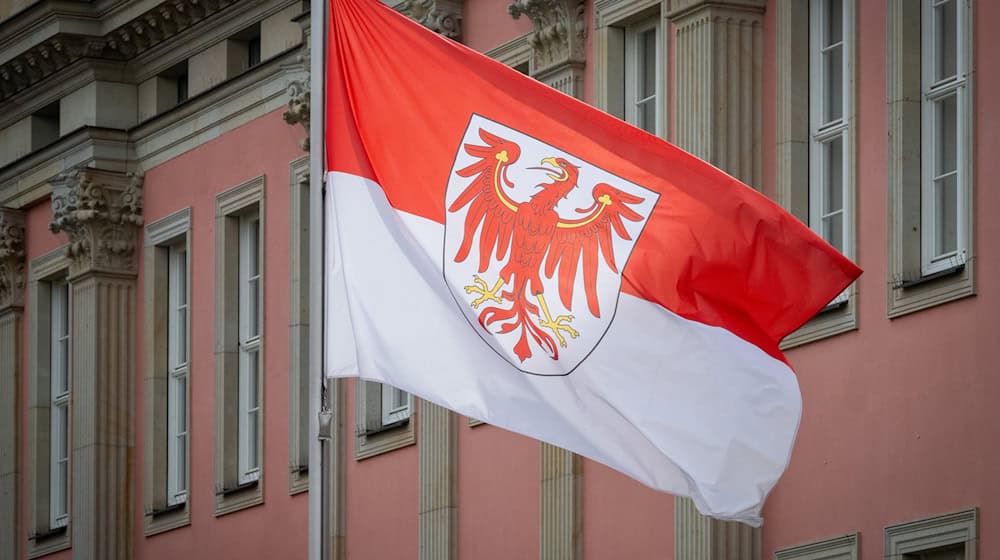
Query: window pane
[(182, 288), (834, 22), (62, 366), (181, 480), (833, 152), (647, 116), (946, 125), (834, 80), (946, 214), (253, 380), (254, 247), (62, 451), (945, 48), (833, 230), (648, 63), (253, 313), (252, 460), (182, 356), (181, 395), (62, 481)]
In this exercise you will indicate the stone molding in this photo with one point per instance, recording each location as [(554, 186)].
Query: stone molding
[(100, 211), (559, 38), (299, 90), (440, 16), (12, 255), (438, 483), (561, 515), (122, 43)]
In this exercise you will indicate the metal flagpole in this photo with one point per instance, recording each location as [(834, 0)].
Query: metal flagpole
[(318, 483)]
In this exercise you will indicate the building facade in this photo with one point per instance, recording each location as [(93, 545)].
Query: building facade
[(154, 306)]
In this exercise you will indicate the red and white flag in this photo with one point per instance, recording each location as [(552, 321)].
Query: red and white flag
[(508, 252)]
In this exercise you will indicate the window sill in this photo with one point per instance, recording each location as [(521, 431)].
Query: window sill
[(836, 318), (167, 518), (239, 488), (909, 296), (47, 542), (241, 496), (955, 270), (376, 442)]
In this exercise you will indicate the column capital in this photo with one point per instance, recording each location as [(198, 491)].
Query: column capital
[(12, 256), (560, 32), (440, 16), (683, 8), (101, 212)]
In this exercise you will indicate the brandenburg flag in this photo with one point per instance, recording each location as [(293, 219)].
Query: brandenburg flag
[(508, 252)]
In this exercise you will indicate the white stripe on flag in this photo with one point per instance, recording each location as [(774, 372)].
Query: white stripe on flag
[(683, 407)]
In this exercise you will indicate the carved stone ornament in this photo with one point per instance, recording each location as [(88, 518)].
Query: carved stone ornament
[(101, 212), (298, 108), (440, 16), (560, 30), (11, 258)]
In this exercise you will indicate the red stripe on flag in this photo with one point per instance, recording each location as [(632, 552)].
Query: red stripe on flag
[(713, 251)]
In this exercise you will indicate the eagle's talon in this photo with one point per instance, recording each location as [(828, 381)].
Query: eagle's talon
[(559, 325), (484, 291)]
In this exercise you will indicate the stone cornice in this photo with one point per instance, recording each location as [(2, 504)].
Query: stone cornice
[(560, 31), (440, 16), (100, 211), (126, 41), (682, 8), (12, 255)]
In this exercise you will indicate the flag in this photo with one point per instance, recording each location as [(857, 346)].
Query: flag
[(513, 254)]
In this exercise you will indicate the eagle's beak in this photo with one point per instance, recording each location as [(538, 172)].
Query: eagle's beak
[(552, 161)]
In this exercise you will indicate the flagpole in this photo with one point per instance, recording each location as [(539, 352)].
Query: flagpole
[(318, 548)]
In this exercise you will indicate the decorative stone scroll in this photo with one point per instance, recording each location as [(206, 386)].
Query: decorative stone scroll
[(440, 16), (11, 258), (560, 33), (101, 212)]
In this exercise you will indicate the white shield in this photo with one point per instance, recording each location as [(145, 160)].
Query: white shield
[(469, 285)]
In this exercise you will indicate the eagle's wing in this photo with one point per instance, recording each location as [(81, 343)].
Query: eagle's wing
[(490, 205), (588, 236)]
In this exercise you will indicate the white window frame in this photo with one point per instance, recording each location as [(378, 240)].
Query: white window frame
[(933, 93), (250, 342), (396, 405), (59, 361), (633, 74), (823, 132), (178, 358)]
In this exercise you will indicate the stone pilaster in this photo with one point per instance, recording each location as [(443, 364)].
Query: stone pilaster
[(719, 49), (719, 53), (101, 212), (561, 507), (558, 42), (437, 439), (11, 302), (440, 16), (299, 90)]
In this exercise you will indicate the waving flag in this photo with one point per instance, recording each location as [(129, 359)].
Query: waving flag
[(510, 253)]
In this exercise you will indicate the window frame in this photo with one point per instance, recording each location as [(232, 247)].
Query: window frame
[(298, 326), (839, 548), (165, 508), (236, 486), (931, 534), (250, 318), (374, 435), (932, 94), (43, 537), (611, 20), (800, 135), (910, 287), (632, 54), (60, 432)]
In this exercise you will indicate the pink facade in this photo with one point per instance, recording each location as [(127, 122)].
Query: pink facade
[(898, 415)]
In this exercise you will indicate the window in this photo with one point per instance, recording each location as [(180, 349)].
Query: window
[(815, 133), (177, 395), (240, 347), (642, 79), (951, 536), (630, 51), (840, 548), (383, 415), (50, 404), (253, 52), (298, 327), (930, 121), (249, 400), (828, 145), (60, 390), (943, 100), (167, 292)]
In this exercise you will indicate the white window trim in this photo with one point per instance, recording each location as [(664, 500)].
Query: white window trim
[(795, 135), (611, 19), (249, 345), (43, 538), (632, 72), (394, 411), (839, 548), (59, 356), (237, 484), (909, 289), (931, 93), (178, 324), (931, 533), (166, 507), (374, 435)]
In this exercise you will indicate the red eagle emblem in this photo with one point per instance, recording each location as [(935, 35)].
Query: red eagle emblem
[(533, 244)]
